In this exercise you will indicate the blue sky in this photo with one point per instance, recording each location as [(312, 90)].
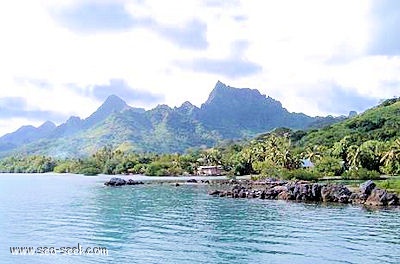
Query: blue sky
[(62, 58)]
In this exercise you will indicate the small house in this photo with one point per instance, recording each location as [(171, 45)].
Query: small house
[(306, 163), (209, 170)]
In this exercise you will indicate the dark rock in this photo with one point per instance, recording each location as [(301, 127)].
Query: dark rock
[(192, 181), (367, 187), (381, 197), (285, 195), (358, 198), (305, 191), (215, 192), (392, 199), (236, 187), (223, 194), (302, 191), (335, 193), (233, 181), (242, 193), (316, 191), (177, 184), (132, 182), (115, 182), (280, 188)]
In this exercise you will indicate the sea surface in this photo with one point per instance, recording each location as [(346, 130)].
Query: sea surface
[(161, 223)]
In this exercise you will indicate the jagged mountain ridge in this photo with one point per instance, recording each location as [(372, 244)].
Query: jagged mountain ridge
[(238, 112), (229, 113)]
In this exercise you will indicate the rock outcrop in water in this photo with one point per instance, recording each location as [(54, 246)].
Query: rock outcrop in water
[(121, 182), (313, 192)]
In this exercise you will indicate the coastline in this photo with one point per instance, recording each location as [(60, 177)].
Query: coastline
[(272, 189)]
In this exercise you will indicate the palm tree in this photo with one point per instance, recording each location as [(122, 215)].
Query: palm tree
[(371, 154), (353, 157), (281, 153), (392, 156), (273, 147), (340, 148), (313, 154), (210, 157)]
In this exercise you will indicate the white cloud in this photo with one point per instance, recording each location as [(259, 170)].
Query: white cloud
[(298, 45)]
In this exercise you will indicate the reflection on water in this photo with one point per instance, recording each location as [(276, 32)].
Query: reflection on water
[(166, 224)]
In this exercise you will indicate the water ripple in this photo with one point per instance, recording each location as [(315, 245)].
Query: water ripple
[(165, 224)]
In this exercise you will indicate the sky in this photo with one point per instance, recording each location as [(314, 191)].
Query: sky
[(319, 57)]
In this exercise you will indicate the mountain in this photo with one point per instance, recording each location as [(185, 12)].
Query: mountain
[(378, 123), (229, 113), (25, 135), (236, 113), (113, 104), (73, 125)]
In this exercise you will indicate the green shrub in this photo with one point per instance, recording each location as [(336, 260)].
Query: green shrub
[(89, 171), (391, 185), (138, 169), (301, 174), (157, 169), (361, 174), (329, 166), (267, 169)]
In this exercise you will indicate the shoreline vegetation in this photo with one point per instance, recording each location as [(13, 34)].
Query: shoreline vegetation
[(278, 154)]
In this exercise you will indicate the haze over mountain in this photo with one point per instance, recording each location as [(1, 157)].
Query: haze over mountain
[(229, 113)]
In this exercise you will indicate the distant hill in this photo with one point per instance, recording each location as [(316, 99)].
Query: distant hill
[(25, 135), (229, 113), (378, 123)]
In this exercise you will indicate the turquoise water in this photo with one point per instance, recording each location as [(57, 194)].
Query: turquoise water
[(166, 224)]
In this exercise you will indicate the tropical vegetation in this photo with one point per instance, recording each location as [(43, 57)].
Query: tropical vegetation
[(363, 147)]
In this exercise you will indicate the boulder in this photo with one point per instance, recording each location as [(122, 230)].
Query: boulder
[(367, 187), (215, 192), (192, 181), (280, 188), (242, 193), (285, 195), (115, 182), (132, 182), (270, 194), (223, 194), (392, 199), (358, 198), (302, 191), (381, 197), (316, 191), (335, 193), (233, 181)]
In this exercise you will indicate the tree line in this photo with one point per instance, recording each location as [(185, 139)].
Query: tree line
[(272, 155)]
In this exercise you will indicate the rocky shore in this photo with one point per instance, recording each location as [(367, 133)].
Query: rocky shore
[(273, 189), (121, 182), (367, 194)]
